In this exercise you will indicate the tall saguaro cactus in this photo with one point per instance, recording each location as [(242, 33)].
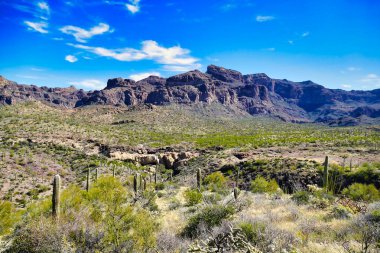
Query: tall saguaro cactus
[(237, 178), (236, 193), (135, 183), (114, 171), (155, 177), (96, 174), (199, 179), (56, 196), (88, 179), (326, 173)]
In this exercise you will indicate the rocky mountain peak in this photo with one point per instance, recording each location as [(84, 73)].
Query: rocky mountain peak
[(194, 77), (225, 75), (119, 82)]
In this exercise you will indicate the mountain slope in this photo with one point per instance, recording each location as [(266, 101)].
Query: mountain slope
[(253, 93)]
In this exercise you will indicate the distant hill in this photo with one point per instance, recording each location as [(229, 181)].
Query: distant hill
[(256, 94)]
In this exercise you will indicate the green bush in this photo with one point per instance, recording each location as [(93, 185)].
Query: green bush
[(301, 197), (210, 217), (261, 185), (340, 212), (8, 217), (215, 181), (192, 197), (101, 220), (160, 186), (253, 231), (362, 192)]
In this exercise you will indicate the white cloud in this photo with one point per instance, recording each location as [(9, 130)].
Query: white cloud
[(177, 68), (82, 35), (346, 86), (305, 34), (150, 50), (90, 83), (140, 76), (133, 6), (264, 18), (271, 49), (371, 79), (227, 7), (353, 68), (71, 58), (37, 26), (44, 6), (291, 42)]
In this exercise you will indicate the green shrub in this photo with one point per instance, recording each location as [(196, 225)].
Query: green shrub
[(209, 217), (362, 192), (253, 231), (192, 197), (340, 212), (160, 186), (301, 197), (215, 181), (261, 185), (174, 204), (8, 217)]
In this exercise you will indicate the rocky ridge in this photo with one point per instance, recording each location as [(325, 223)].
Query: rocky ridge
[(256, 94)]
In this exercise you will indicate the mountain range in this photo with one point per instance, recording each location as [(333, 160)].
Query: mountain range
[(256, 94)]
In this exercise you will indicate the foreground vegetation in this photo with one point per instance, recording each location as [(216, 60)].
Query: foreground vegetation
[(248, 184)]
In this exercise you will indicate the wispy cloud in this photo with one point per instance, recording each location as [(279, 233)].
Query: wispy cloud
[(178, 68), (82, 35), (228, 7), (71, 58), (39, 10), (271, 49), (353, 69), (37, 26), (150, 50), (140, 76), (346, 86), (372, 80), (133, 6), (261, 19), (305, 34), (44, 7), (89, 83), (291, 42)]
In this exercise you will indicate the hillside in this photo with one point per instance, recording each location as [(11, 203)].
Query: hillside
[(255, 94)]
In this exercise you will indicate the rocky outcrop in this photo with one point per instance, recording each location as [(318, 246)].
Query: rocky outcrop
[(254, 93)]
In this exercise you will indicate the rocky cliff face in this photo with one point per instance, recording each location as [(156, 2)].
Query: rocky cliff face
[(254, 93)]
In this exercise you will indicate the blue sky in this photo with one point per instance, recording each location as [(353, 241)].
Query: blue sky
[(335, 43)]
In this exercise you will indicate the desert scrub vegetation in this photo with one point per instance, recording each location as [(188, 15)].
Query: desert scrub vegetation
[(261, 185), (110, 217), (171, 125), (103, 219)]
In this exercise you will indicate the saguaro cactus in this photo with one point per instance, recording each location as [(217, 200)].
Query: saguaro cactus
[(88, 179), (135, 183), (155, 178), (144, 184), (236, 193), (237, 178), (326, 173), (114, 171), (56, 196), (199, 179), (141, 182), (96, 174)]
